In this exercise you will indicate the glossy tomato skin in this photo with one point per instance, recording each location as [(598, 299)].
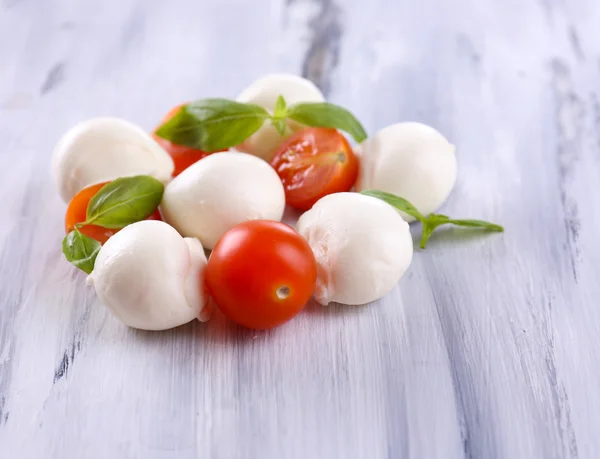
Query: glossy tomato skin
[(76, 213), (183, 157), (313, 163), (261, 274)]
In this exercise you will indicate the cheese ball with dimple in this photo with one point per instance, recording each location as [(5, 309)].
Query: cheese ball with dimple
[(150, 277), (361, 244), (103, 149), (264, 92), (220, 191), (410, 160)]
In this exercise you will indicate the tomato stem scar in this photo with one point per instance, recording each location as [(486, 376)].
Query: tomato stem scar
[(283, 292)]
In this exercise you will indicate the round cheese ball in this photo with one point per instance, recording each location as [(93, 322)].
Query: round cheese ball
[(220, 191), (410, 160), (103, 149), (150, 277), (264, 92), (361, 244)]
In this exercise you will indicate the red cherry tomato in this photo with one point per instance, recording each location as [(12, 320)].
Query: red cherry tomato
[(76, 213), (183, 156), (261, 273), (313, 163)]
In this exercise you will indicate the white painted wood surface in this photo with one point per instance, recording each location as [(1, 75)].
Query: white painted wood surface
[(488, 348)]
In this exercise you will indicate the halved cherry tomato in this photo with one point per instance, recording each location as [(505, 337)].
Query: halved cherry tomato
[(183, 156), (261, 273), (313, 163), (76, 213)]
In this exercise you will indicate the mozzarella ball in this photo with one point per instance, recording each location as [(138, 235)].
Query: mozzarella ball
[(361, 244), (264, 92), (220, 191), (103, 149), (410, 160), (150, 277)]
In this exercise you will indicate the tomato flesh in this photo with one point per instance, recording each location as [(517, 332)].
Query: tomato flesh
[(261, 273), (183, 157), (76, 213), (313, 163)]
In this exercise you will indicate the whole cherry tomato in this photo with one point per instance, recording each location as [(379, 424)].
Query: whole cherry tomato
[(183, 156), (76, 213), (261, 274), (313, 163)]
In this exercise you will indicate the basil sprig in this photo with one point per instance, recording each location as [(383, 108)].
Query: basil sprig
[(431, 221), (117, 204), (278, 119), (218, 124)]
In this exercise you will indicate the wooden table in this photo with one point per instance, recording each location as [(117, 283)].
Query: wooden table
[(488, 348)]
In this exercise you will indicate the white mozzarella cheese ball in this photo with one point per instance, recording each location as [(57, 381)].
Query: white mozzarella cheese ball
[(361, 244), (220, 191), (150, 277), (103, 149), (264, 92), (410, 160)]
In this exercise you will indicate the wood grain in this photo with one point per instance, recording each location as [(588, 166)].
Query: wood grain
[(488, 348)]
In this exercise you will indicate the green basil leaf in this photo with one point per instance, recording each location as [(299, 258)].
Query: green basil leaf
[(435, 220), (213, 124), (324, 114), (280, 125), (81, 250), (278, 120), (477, 224), (124, 201), (182, 129), (280, 108), (397, 202)]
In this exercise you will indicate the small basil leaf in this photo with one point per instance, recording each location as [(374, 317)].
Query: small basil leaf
[(213, 124), (280, 108), (81, 250), (397, 202), (435, 220), (278, 120), (124, 201), (280, 125), (477, 224), (324, 114)]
